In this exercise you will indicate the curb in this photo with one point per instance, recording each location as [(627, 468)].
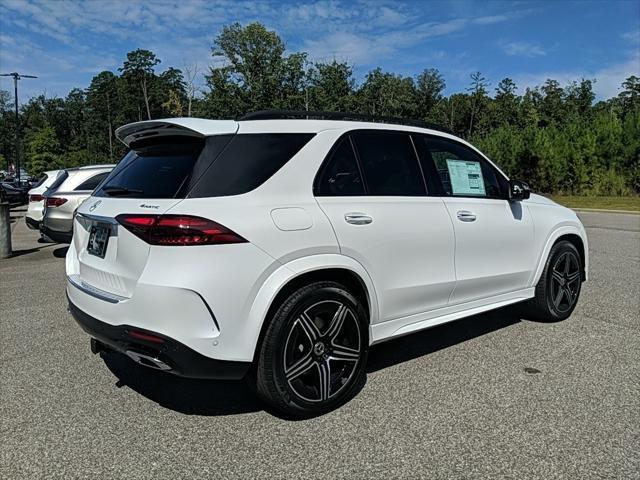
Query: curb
[(603, 210)]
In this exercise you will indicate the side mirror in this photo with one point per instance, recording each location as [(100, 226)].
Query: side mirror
[(518, 190)]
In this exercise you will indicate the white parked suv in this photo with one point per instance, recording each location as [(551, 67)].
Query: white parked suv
[(283, 247), (36, 199)]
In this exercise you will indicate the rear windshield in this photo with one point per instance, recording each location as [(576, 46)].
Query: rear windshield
[(62, 176), (183, 167), (158, 170), (41, 181)]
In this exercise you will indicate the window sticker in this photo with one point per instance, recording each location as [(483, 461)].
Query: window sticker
[(466, 177)]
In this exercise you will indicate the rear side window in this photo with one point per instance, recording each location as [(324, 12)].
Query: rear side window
[(158, 170), (247, 162), (341, 174), (462, 172), (91, 183), (389, 163)]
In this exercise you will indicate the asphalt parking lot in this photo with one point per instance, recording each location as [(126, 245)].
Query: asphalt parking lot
[(486, 397)]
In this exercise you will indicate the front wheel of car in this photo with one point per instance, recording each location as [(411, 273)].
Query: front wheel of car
[(314, 352), (559, 286)]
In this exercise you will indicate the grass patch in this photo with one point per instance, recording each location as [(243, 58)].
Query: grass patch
[(605, 203)]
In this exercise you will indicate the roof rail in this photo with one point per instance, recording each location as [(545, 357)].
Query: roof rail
[(355, 117)]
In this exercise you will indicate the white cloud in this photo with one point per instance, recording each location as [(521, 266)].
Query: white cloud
[(608, 80), (491, 19), (633, 36), (523, 49), (364, 47)]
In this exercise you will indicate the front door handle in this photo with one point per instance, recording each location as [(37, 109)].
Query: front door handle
[(357, 218), (466, 216)]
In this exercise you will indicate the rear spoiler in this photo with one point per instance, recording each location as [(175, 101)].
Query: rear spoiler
[(194, 127)]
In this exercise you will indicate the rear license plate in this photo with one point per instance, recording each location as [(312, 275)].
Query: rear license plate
[(98, 239)]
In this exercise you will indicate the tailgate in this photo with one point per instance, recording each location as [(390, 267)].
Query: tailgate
[(110, 258)]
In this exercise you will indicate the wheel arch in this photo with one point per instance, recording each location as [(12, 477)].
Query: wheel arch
[(332, 267), (577, 242), (567, 233)]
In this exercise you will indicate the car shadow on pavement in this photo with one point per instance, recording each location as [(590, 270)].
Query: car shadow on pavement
[(431, 340), (220, 397), (27, 251), (61, 252), (184, 395)]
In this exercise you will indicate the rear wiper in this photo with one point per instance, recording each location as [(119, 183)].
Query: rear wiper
[(113, 191)]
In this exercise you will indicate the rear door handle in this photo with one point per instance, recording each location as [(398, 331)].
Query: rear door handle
[(357, 218), (466, 216)]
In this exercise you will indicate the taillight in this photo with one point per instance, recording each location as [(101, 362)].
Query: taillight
[(55, 201), (36, 198), (178, 230)]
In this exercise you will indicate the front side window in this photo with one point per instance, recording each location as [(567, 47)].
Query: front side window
[(389, 163), (461, 171), (340, 175)]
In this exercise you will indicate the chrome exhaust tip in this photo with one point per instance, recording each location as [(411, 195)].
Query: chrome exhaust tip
[(147, 361)]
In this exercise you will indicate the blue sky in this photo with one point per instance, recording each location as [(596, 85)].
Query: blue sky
[(65, 42)]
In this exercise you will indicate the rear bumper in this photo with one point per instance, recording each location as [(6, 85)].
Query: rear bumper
[(56, 236), (175, 356)]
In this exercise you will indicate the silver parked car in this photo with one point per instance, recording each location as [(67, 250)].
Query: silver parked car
[(65, 195)]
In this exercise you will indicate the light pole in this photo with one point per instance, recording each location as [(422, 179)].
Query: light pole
[(16, 76)]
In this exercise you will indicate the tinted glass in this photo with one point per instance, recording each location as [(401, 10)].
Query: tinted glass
[(462, 172), (41, 181), (93, 182), (247, 162), (389, 163), (62, 176), (153, 170), (340, 175)]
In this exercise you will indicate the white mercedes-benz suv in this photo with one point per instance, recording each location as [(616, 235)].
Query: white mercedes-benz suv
[(281, 246)]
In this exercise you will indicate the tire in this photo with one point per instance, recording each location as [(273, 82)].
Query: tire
[(559, 286), (314, 352)]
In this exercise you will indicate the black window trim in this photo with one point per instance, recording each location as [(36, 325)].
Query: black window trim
[(480, 155), (329, 156), (327, 160)]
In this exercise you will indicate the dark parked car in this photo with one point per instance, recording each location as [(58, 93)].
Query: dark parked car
[(13, 195)]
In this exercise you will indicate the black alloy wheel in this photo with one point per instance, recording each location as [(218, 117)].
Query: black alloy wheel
[(558, 290), (322, 350), (565, 281), (313, 355)]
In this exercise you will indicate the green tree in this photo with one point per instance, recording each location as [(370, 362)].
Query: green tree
[(506, 104), (102, 104), (42, 151), (630, 94), (330, 87), (429, 86), (255, 72), (478, 92), (138, 69), (387, 94)]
